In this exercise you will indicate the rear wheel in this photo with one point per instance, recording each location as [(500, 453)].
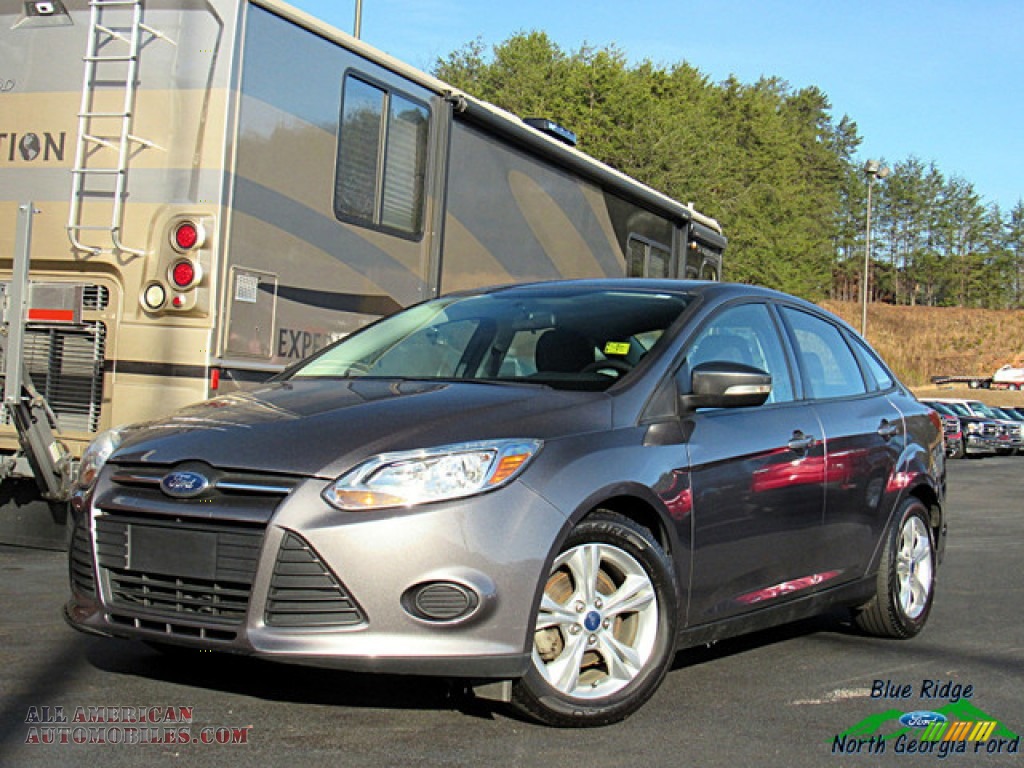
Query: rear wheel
[(605, 630), (906, 577)]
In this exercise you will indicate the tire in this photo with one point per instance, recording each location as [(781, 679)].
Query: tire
[(605, 629), (906, 577), (957, 451)]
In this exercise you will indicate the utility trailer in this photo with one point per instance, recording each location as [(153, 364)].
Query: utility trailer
[(209, 190), (1007, 377)]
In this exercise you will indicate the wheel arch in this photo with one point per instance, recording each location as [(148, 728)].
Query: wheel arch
[(636, 503), (632, 501), (927, 495)]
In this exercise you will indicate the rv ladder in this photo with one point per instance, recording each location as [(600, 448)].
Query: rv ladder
[(105, 137)]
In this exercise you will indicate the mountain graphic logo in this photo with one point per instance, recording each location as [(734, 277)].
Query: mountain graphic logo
[(963, 721)]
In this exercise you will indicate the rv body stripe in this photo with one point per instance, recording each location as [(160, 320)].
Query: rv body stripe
[(180, 371), (325, 234), (360, 304), (149, 185), (147, 368)]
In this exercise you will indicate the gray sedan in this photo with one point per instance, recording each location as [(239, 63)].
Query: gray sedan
[(545, 490)]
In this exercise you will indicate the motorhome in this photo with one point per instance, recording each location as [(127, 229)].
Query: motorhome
[(194, 195)]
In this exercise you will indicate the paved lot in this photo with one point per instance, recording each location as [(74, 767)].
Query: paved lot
[(772, 699)]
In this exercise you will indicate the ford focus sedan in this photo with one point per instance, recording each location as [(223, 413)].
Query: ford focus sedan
[(546, 490)]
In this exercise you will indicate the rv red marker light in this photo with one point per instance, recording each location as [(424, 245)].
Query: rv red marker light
[(186, 235), (183, 273)]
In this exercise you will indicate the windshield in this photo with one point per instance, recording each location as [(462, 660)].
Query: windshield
[(959, 409), (983, 410), (579, 339)]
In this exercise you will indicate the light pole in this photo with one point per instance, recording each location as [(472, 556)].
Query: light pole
[(358, 27), (872, 169)]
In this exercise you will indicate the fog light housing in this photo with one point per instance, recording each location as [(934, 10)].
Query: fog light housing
[(440, 601)]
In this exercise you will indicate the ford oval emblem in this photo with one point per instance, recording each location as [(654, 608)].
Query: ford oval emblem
[(183, 484), (922, 718)]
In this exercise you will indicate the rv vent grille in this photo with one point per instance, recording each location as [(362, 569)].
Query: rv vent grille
[(95, 297), (66, 367)]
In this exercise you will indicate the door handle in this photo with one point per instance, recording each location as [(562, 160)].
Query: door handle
[(800, 443), (887, 429)]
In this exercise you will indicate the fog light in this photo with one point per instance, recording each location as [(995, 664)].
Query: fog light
[(440, 601)]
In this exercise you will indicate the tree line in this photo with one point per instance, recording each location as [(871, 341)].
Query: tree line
[(772, 164)]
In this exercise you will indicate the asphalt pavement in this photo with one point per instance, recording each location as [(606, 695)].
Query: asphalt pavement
[(811, 694)]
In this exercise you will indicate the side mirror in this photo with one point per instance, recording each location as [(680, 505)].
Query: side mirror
[(726, 385)]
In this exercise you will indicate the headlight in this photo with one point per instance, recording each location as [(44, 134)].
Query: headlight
[(96, 456), (435, 474), (973, 428)]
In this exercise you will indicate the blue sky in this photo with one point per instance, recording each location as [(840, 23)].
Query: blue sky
[(941, 80)]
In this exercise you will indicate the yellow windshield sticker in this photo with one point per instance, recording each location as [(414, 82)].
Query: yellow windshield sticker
[(616, 348)]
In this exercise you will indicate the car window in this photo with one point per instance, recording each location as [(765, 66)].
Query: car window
[(940, 408), (435, 351), (878, 373), (827, 363), (744, 334), (584, 339), (959, 409), (979, 408)]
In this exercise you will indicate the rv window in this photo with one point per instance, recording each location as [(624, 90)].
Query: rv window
[(647, 259), (382, 149)]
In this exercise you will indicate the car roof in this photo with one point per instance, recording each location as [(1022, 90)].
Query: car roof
[(708, 291)]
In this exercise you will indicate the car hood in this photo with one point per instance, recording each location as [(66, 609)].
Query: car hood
[(324, 427)]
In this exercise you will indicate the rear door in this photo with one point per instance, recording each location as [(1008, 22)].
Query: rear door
[(864, 437)]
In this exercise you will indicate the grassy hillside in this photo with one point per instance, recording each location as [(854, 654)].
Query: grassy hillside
[(921, 342)]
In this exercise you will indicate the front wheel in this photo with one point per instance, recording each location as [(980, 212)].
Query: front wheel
[(605, 630), (906, 577)]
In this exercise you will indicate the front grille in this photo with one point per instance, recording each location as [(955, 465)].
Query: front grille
[(304, 592), (177, 572), (232, 495), (172, 628), (83, 579), (65, 364), (1011, 430)]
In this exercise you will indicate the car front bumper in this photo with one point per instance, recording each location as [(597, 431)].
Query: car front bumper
[(980, 445), (447, 589)]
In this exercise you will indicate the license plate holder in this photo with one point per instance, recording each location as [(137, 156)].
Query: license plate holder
[(172, 552)]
